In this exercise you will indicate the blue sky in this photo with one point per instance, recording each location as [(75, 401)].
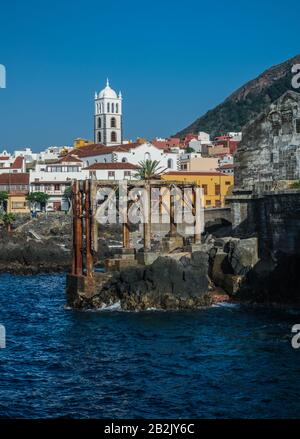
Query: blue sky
[(172, 60)]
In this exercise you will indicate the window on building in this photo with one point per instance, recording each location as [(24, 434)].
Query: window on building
[(99, 137), (217, 189), (112, 107), (99, 122), (204, 187), (108, 107), (113, 136), (297, 125), (117, 108), (113, 122), (56, 187), (218, 203), (127, 174), (147, 156), (111, 174), (18, 205), (227, 183), (124, 160), (208, 202), (170, 163)]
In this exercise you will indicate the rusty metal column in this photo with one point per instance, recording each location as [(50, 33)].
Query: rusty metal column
[(126, 243), (88, 228), (77, 230), (147, 219)]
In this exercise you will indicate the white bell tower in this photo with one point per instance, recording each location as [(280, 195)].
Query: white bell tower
[(108, 117)]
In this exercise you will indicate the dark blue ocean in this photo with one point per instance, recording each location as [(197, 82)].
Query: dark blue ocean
[(222, 362)]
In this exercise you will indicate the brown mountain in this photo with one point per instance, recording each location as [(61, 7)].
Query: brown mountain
[(247, 102)]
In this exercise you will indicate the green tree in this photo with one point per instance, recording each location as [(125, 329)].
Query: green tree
[(189, 150), (37, 197), (295, 185), (3, 201), (149, 169), (7, 219)]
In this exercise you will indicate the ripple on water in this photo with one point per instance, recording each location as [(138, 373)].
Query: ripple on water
[(226, 361)]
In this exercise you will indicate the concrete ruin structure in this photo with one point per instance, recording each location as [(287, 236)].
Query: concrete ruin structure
[(88, 202)]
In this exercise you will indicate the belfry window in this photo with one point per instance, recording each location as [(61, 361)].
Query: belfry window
[(99, 137), (117, 108), (112, 107), (99, 122), (113, 122), (113, 136), (108, 107)]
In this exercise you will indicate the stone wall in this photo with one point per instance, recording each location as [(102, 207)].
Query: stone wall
[(270, 149)]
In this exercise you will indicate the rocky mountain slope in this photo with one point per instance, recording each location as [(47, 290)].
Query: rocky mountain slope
[(246, 102)]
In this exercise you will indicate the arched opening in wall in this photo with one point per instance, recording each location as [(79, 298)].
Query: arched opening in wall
[(112, 107), (108, 107), (99, 138), (99, 122), (124, 160), (117, 108), (147, 156), (113, 136), (170, 163), (113, 122)]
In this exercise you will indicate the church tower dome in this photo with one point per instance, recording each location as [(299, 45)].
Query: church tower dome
[(108, 117)]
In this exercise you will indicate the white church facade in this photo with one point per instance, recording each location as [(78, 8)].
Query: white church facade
[(108, 117)]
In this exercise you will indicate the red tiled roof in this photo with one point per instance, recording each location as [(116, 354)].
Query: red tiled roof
[(68, 159), (18, 163), (4, 157), (99, 149), (14, 178), (118, 165), (227, 166)]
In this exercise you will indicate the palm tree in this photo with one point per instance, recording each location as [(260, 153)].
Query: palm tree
[(149, 169), (3, 201), (7, 219)]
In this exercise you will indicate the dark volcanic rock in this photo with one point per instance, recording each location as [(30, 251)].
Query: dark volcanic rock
[(166, 284), (28, 256)]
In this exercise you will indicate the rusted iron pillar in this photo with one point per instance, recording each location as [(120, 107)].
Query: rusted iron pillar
[(88, 228), (126, 243), (77, 267)]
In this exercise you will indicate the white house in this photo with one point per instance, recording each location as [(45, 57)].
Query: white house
[(12, 165), (129, 153), (112, 171), (54, 178)]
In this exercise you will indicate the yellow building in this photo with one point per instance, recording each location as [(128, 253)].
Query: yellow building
[(16, 185), (215, 185), (17, 204), (80, 143)]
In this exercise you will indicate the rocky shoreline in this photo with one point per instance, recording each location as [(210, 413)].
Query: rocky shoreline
[(222, 269)]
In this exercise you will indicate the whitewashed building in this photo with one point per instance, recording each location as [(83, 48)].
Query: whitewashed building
[(108, 117), (129, 153), (53, 179)]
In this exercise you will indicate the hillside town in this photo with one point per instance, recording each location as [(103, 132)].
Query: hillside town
[(25, 175)]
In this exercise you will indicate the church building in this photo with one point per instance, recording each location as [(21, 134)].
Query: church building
[(108, 117)]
